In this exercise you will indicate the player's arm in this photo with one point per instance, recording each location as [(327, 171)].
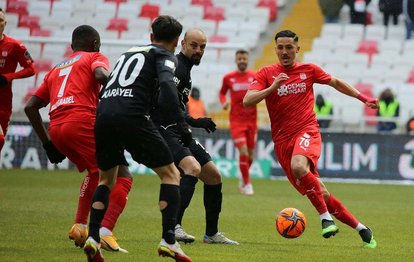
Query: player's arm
[(32, 111), (202, 122), (25, 61), (253, 96), (347, 89), (101, 75), (222, 95)]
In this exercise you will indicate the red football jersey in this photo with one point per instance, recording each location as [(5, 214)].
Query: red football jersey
[(238, 83), (291, 106), (71, 88), (12, 52)]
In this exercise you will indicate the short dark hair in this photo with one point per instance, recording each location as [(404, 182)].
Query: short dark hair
[(83, 37), (242, 51), (287, 33), (166, 28)]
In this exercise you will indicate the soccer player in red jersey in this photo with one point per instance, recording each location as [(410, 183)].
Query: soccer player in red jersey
[(12, 52), (71, 88), (287, 88), (243, 121)]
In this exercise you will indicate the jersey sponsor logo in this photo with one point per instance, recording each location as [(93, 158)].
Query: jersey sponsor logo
[(290, 89), (176, 80), (62, 101), (68, 62), (118, 92), (241, 86)]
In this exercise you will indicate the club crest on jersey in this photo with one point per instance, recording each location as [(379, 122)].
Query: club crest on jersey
[(302, 76), (4, 53)]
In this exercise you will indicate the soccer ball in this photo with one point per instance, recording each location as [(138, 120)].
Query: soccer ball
[(290, 223)]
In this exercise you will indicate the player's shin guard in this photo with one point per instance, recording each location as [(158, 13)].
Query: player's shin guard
[(313, 191), (169, 204), (244, 168), (212, 203), (338, 210), (187, 187), (100, 201), (117, 202), (88, 187)]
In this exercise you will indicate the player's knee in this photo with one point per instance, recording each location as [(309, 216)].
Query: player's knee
[(298, 169), (211, 177), (192, 169)]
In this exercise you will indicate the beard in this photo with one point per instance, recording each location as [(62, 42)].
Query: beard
[(196, 59), (242, 66)]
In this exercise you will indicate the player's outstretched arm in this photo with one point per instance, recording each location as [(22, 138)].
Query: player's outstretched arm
[(253, 97), (347, 89)]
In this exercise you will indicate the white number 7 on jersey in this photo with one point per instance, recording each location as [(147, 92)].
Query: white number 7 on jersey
[(64, 72)]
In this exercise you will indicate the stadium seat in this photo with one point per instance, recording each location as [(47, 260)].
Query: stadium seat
[(272, 5), (369, 47), (331, 31), (259, 16), (376, 32), (208, 26), (218, 39), (43, 65), (106, 9), (19, 7), (29, 21), (203, 3), (40, 8), (118, 24), (214, 13), (150, 11), (40, 32)]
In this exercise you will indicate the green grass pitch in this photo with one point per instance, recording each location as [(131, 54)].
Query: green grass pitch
[(37, 210)]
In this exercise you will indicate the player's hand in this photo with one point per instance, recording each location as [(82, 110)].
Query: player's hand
[(226, 106), (3, 81), (53, 153), (204, 122), (278, 80), (186, 135), (369, 101)]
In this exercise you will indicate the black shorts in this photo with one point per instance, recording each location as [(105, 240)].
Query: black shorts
[(172, 136), (138, 136)]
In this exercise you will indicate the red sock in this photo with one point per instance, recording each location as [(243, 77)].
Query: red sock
[(88, 186), (244, 168), (1, 141), (313, 191), (117, 202), (338, 210)]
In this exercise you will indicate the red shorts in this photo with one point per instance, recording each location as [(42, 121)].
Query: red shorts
[(76, 140), (244, 134), (306, 143), (4, 121)]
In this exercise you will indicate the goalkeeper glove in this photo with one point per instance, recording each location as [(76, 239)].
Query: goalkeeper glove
[(202, 122), (53, 153)]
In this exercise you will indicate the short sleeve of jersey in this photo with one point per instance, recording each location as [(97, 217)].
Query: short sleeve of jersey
[(43, 91), (24, 56), (99, 60), (260, 80), (320, 76)]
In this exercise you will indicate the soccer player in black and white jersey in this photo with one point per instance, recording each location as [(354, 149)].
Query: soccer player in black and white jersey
[(142, 75), (194, 161)]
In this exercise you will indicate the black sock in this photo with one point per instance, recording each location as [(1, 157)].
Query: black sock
[(171, 195), (187, 187), (212, 203), (101, 195)]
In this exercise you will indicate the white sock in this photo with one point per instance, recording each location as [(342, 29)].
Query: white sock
[(105, 232), (326, 216), (359, 227)]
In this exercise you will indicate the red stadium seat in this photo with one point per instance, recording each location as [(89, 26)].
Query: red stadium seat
[(203, 3), (411, 77), (40, 32), (369, 47), (367, 89), (117, 1), (19, 7), (29, 21), (118, 24), (272, 5), (43, 65), (150, 10), (214, 13), (218, 39)]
